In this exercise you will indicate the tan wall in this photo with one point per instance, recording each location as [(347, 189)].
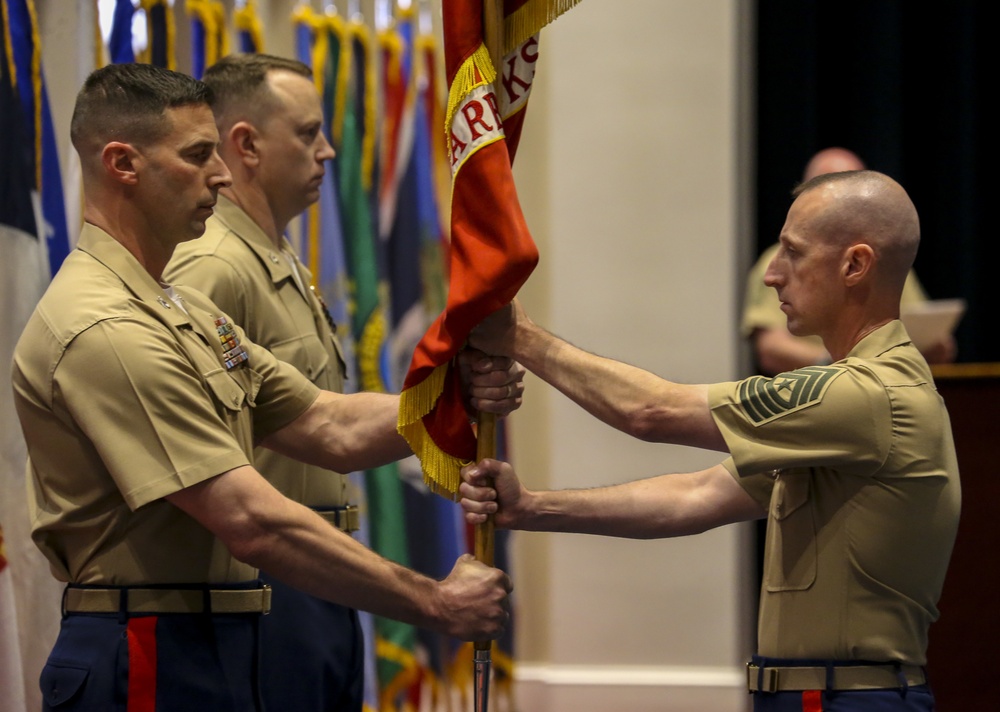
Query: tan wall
[(632, 177)]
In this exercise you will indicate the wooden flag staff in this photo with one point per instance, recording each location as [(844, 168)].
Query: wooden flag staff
[(482, 660), (486, 433)]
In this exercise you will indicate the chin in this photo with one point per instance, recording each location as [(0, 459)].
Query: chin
[(196, 231)]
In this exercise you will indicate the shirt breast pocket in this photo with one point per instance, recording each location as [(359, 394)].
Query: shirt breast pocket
[(312, 359), (233, 390), (790, 564), (234, 393)]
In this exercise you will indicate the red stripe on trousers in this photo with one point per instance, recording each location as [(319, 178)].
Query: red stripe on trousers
[(142, 664), (812, 701)]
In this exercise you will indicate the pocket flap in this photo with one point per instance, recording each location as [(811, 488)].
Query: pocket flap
[(226, 390), (790, 492), (59, 683)]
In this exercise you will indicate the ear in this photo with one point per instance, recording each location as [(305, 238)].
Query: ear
[(120, 162), (243, 137), (859, 260)]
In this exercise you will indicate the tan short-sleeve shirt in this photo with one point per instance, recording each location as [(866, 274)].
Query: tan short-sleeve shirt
[(856, 465), (125, 398), (239, 268)]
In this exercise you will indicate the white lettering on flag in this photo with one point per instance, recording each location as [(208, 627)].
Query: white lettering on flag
[(517, 72), (476, 123)]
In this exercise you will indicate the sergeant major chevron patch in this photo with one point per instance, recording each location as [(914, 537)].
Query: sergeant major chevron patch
[(764, 399)]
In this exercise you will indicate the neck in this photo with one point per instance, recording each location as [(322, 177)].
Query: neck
[(252, 200), (139, 239), (839, 345)]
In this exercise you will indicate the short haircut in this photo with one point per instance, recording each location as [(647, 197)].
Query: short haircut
[(239, 83), (873, 208), (127, 103), (853, 177)]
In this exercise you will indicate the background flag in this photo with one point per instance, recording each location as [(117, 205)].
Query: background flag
[(120, 41), (209, 36), (29, 602), (11, 672), (160, 33), (319, 41), (249, 27), (29, 80)]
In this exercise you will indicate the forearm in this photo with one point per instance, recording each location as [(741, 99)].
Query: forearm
[(294, 544), (630, 399), (303, 550), (344, 433), (659, 507)]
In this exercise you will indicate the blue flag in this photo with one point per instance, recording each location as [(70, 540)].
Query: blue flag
[(209, 37), (160, 32), (40, 134), (29, 601), (120, 49), (249, 28)]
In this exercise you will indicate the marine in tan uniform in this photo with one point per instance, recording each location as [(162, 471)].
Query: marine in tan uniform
[(763, 323), (853, 463), (140, 406), (270, 125)]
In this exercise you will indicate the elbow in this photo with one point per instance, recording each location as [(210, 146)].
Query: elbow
[(249, 539), (250, 550), (648, 422)]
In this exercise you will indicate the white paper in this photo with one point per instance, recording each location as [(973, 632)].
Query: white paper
[(929, 323)]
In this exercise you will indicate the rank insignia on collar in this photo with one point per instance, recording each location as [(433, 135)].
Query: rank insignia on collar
[(163, 302), (233, 352)]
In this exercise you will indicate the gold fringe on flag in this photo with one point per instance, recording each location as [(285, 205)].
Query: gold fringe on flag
[(427, 45), (212, 14), (441, 470), (369, 350), (392, 44), (36, 77), (320, 48), (169, 30), (100, 51), (359, 31), (246, 19), (410, 673), (530, 18), (336, 27)]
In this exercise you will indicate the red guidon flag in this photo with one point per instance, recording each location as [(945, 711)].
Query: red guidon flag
[(491, 252)]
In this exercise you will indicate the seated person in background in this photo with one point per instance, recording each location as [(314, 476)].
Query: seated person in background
[(775, 349)]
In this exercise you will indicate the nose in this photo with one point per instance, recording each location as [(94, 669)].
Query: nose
[(772, 277), (220, 177), (326, 151)]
